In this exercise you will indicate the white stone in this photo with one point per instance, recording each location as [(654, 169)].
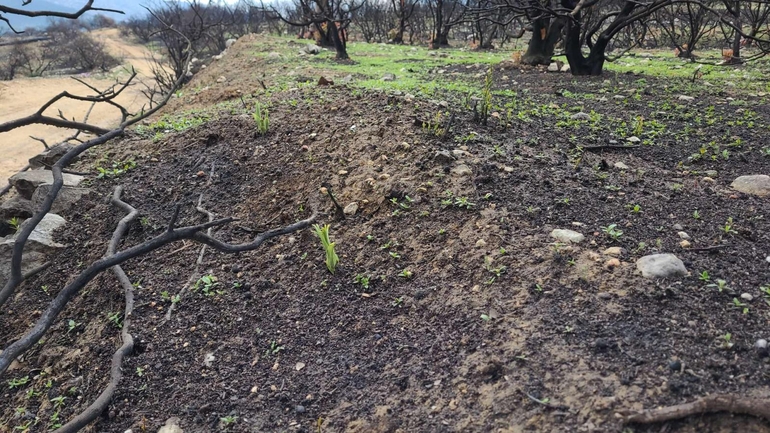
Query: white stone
[(613, 251), (686, 98), (747, 297), (620, 166), (683, 235), (569, 236), (553, 67), (171, 426), (661, 266), (581, 116), (633, 139), (462, 170)]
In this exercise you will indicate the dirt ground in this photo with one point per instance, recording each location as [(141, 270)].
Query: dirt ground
[(23, 96), (452, 310)]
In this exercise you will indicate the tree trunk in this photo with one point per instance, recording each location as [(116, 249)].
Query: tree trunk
[(340, 45), (545, 35), (438, 24), (579, 64)]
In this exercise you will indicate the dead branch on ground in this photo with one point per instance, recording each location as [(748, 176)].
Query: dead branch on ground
[(732, 403)]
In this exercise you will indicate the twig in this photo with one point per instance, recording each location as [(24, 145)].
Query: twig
[(608, 147), (713, 403), (340, 211), (709, 249)]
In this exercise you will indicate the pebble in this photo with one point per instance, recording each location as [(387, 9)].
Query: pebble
[(564, 235), (661, 266), (620, 166), (678, 227), (351, 209), (614, 251), (299, 409), (683, 235), (342, 172), (481, 243), (604, 295), (462, 170), (675, 365), (761, 344), (747, 297), (685, 244), (611, 263), (633, 139), (708, 180), (581, 116), (712, 173), (299, 366), (443, 157)]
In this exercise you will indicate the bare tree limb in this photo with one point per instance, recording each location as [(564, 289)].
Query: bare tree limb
[(713, 403)]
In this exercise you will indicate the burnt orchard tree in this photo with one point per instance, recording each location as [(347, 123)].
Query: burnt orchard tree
[(330, 18), (446, 14), (685, 24), (546, 32), (403, 10)]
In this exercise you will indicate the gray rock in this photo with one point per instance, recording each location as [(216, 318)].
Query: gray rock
[(312, 49), (747, 297), (686, 98), (683, 235), (633, 139), (50, 156), (758, 185), (351, 209), (678, 227), (68, 196), (614, 251), (761, 344), (171, 426), (39, 245), (444, 157), (620, 166), (661, 266), (568, 236), (17, 207), (229, 43), (347, 79), (580, 116), (462, 170), (712, 173), (388, 77), (274, 55), (27, 182), (553, 67), (565, 68)]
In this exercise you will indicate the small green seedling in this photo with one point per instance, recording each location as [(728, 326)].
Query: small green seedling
[(331, 256), (720, 284), (704, 276), (726, 341), (741, 305), (18, 383), (206, 285), (406, 273), (229, 420), (115, 319), (363, 280), (729, 228), (262, 119), (613, 232), (634, 208)]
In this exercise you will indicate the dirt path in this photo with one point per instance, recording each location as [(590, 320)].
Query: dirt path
[(22, 97)]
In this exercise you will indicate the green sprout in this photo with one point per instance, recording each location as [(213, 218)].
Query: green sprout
[(331, 256)]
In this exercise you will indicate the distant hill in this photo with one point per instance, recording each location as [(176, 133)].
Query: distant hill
[(20, 23)]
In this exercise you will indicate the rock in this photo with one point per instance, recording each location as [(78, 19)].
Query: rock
[(611, 264), (568, 236), (661, 266), (351, 208), (312, 49), (299, 409), (684, 244), (604, 295), (633, 139), (229, 43), (761, 346), (758, 185), (50, 156), (208, 359), (678, 227), (553, 67), (388, 77), (17, 207), (27, 182), (712, 173), (444, 157), (68, 196), (299, 366), (620, 166), (171, 426), (747, 297), (580, 116), (217, 57), (274, 55), (675, 365), (462, 170), (221, 79), (686, 98), (614, 251), (481, 243), (683, 235), (565, 68), (459, 153), (347, 79), (708, 179), (324, 82)]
